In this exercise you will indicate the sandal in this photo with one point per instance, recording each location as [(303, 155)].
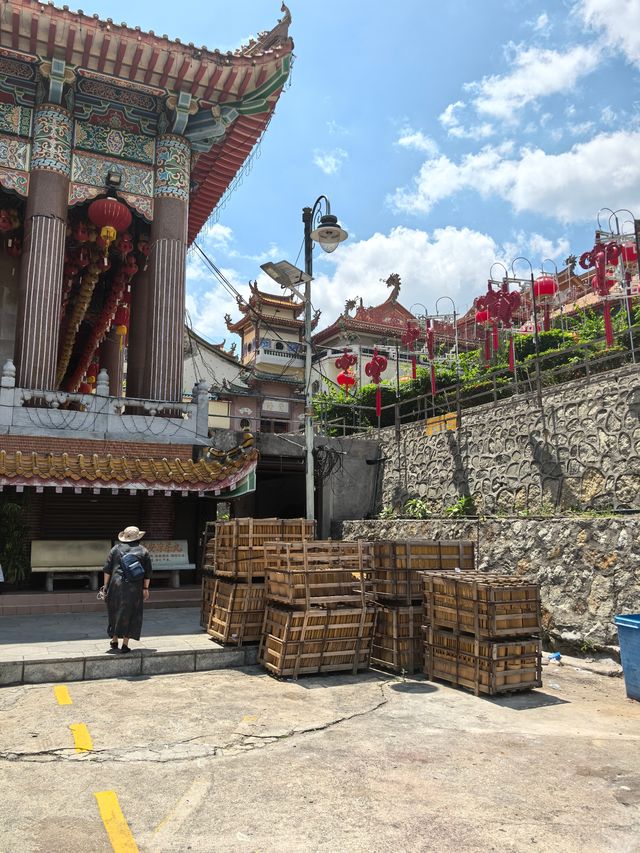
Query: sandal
[(113, 644)]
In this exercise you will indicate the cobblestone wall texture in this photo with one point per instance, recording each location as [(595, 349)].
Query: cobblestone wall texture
[(588, 569), (580, 450)]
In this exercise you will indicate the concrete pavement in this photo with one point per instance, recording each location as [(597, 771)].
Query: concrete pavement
[(236, 761), (75, 647)]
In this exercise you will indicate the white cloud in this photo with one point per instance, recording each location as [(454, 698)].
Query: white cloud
[(329, 161), (450, 121), (336, 129), (582, 128), (568, 186), (542, 24), (219, 236), (449, 262), (618, 21), (417, 139), (536, 73)]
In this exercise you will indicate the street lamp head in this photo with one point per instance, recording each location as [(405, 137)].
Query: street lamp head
[(329, 233)]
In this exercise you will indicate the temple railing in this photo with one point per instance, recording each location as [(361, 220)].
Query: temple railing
[(25, 411)]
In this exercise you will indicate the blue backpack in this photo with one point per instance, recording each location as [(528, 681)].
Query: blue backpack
[(132, 568)]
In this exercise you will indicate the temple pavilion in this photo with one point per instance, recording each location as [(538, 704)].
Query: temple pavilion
[(116, 145)]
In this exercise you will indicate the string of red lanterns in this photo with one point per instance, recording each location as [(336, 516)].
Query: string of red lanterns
[(344, 363)]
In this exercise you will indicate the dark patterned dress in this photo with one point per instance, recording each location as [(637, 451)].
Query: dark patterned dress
[(124, 598)]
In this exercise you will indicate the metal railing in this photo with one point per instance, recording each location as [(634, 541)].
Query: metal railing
[(531, 377)]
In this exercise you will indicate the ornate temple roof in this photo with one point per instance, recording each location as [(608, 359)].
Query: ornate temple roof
[(227, 99), (388, 319), (107, 471), (263, 306)]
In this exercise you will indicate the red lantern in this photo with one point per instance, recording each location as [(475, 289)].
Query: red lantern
[(81, 232), (122, 317), (14, 247), (374, 369), (84, 388), (482, 316), (130, 267), (629, 254), (409, 337), (346, 380), (545, 286), (111, 217), (6, 223), (124, 244)]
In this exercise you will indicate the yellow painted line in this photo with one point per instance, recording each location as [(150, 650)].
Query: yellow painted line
[(81, 737), (62, 695), (115, 823)]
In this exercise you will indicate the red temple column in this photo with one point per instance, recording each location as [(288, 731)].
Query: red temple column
[(167, 271), (40, 286), (137, 348), (111, 358)]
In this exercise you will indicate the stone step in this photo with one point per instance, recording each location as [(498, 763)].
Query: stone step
[(138, 663)]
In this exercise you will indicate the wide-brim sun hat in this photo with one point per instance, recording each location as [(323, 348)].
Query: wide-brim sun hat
[(131, 534)]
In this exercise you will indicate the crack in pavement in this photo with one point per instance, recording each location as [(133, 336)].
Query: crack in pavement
[(241, 743)]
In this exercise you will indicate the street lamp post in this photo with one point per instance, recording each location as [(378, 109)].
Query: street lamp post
[(328, 233)]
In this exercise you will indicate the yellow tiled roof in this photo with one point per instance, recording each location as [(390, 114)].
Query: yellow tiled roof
[(112, 471)]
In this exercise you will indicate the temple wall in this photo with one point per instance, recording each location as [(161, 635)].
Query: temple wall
[(581, 450), (588, 568)]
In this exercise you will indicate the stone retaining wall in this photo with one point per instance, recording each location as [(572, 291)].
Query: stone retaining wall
[(581, 450), (588, 569)]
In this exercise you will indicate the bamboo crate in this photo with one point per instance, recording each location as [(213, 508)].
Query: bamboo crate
[(396, 565), (255, 532), (208, 583), (237, 613), (298, 642), (484, 666), (398, 639), (481, 604), (234, 549), (309, 574)]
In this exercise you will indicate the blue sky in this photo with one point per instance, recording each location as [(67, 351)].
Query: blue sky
[(447, 136)]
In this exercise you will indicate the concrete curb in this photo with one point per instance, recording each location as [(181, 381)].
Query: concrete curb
[(138, 663)]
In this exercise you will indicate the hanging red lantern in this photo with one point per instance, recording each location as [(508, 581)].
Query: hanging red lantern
[(111, 217), (409, 338), (130, 267), (84, 388), (14, 247), (124, 244), (346, 380), (374, 369), (544, 287), (80, 232), (630, 254), (6, 222), (482, 316)]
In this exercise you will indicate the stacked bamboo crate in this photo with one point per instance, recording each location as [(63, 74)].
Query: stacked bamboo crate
[(318, 618), (482, 632), (235, 558), (397, 587)]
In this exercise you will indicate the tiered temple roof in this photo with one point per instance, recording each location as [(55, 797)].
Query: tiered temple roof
[(226, 100)]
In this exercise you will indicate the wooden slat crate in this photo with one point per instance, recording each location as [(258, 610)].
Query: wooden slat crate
[(298, 642), (309, 574), (255, 532), (237, 613), (396, 565), (484, 666), (398, 638), (482, 604), (208, 584), (241, 564)]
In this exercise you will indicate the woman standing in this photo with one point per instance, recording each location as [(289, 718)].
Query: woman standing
[(125, 592)]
